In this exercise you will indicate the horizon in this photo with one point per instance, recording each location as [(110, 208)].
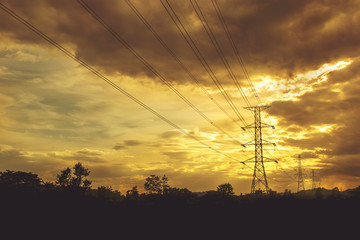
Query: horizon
[(302, 59)]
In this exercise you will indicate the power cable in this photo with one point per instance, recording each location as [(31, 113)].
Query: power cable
[(235, 49), (178, 60), (236, 52), (108, 81), (185, 34), (216, 45), (149, 66)]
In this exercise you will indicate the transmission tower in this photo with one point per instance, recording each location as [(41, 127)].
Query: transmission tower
[(301, 185), (259, 181), (313, 181)]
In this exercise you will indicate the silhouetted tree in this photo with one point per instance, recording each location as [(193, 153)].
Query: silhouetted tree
[(80, 173), (77, 180), (156, 184), (19, 178), (272, 193), (64, 178), (225, 189), (178, 191), (107, 193), (133, 193), (259, 193)]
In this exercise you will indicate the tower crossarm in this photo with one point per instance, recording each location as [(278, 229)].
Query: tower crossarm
[(254, 108), (259, 181), (265, 159), (263, 125), (264, 142)]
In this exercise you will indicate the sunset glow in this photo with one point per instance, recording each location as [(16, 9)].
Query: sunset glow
[(55, 112)]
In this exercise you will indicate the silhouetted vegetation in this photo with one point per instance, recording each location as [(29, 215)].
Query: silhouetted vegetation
[(156, 184), (75, 180), (19, 178), (71, 200), (226, 189)]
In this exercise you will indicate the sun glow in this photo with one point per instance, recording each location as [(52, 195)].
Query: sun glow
[(290, 89), (325, 128), (339, 65)]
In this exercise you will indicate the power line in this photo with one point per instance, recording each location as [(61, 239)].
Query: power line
[(182, 65), (259, 177), (237, 54), (149, 66), (300, 175), (185, 34), (177, 59), (286, 173), (216, 45), (235, 49), (108, 81)]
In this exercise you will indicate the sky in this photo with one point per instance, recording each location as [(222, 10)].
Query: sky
[(302, 58)]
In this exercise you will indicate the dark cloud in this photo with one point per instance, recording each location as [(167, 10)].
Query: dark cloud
[(85, 156), (118, 147), (348, 74), (170, 134), (12, 156), (347, 165), (314, 108), (279, 37), (131, 143), (306, 155), (111, 171), (276, 37), (127, 143), (177, 156), (18, 160), (293, 129), (334, 102)]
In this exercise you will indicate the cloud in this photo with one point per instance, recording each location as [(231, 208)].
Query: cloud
[(127, 143), (331, 104), (5, 101), (118, 147), (342, 171), (313, 108), (307, 155), (12, 155), (111, 171), (84, 155), (170, 134), (23, 56), (177, 156), (131, 143), (278, 40), (18, 160), (311, 32)]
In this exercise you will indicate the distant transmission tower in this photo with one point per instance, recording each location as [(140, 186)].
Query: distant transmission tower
[(301, 185), (259, 181), (313, 185)]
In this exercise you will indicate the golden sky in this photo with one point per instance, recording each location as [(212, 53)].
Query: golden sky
[(302, 56)]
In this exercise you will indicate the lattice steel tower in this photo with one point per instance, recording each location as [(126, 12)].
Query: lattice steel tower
[(313, 185), (300, 175), (259, 181)]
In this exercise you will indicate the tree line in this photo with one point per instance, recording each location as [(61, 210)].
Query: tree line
[(75, 181), (71, 205)]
